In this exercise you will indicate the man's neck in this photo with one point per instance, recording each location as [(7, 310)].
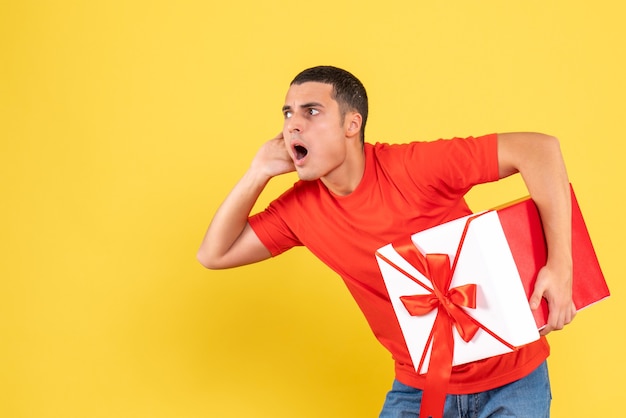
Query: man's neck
[(345, 179)]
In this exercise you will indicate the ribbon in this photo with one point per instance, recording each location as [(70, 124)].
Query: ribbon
[(449, 304)]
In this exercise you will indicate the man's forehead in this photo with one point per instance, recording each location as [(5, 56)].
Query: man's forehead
[(308, 91)]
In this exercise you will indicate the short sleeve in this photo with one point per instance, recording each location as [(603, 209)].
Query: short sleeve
[(271, 228)]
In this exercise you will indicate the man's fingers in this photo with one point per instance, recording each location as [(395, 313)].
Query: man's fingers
[(559, 317)]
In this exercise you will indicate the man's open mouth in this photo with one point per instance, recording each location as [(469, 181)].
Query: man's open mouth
[(300, 152)]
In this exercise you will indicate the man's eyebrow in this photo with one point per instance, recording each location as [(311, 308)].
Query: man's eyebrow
[(304, 106), (311, 104)]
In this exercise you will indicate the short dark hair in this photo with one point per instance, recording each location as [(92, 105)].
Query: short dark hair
[(348, 91)]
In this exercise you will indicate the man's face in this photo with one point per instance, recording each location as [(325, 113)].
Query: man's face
[(314, 130)]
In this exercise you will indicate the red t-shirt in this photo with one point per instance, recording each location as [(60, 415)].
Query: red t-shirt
[(405, 188)]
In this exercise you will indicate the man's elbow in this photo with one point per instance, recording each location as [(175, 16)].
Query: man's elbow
[(211, 263), (241, 253), (517, 150), (552, 142), (549, 146)]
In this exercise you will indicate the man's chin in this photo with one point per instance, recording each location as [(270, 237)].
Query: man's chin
[(304, 176)]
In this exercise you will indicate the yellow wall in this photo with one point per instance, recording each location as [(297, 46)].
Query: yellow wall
[(124, 123)]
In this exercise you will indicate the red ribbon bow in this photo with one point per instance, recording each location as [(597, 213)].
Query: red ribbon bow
[(451, 300)]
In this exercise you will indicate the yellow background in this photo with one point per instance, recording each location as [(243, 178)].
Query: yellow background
[(124, 123)]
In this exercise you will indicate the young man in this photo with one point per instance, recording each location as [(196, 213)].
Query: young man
[(354, 197)]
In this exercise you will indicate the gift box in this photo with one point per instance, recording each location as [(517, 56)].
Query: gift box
[(477, 247), (460, 290), (500, 252)]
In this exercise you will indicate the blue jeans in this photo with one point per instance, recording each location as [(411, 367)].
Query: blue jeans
[(528, 397)]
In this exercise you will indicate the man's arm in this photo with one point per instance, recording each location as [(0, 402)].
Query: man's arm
[(538, 159), (229, 240)]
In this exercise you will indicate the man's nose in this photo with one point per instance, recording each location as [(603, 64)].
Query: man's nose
[(295, 123)]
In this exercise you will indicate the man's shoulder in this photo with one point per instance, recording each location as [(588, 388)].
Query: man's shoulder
[(399, 147), (386, 151), (438, 145)]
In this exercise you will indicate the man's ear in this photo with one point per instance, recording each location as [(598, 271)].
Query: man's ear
[(354, 122)]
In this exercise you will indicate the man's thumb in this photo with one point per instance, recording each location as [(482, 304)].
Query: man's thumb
[(535, 299)]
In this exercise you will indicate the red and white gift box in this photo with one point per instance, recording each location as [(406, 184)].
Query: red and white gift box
[(484, 260), (460, 290), (501, 252)]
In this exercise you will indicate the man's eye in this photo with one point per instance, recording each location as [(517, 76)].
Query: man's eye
[(287, 114), (313, 112)]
